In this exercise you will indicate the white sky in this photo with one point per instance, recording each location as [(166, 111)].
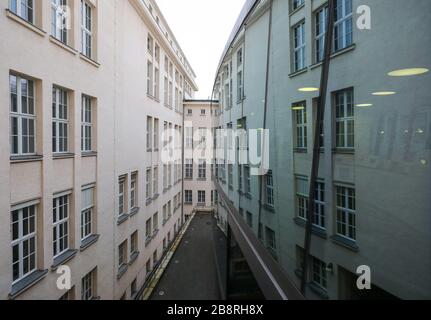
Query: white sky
[(202, 28)]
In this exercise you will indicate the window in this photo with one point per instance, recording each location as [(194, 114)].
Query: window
[(319, 218), (319, 273), (189, 112), (122, 254), (176, 99), (202, 137), (23, 116), (346, 212), (203, 112), (87, 207), (156, 134), (150, 45), (23, 8), (148, 184), (250, 219), (247, 179), (230, 175), (302, 190), (170, 93), (24, 251), (134, 287), (345, 121), (320, 25), (60, 122), (86, 29), (156, 180), (343, 29), (239, 86), (165, 91), (297, 3), (134, 243), (121, 196), (149, 133), (165, 214), (188, 196), (157, 53), (133, 190), (148, 230), (201, 197), (299, 47), (155, 259), (300, 115), (155, 222), (156, 83), (149, 78), (60, 222), (59, 20), (239, 58), (270, 238), (86, 124), (202, 169), (148, 267), (269, 189), (189, 137), (240, 177), (165, 177), (88, 286)]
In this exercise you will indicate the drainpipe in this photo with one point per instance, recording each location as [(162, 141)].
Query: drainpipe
[(316, 149)]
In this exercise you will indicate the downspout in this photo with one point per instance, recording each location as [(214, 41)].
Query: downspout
[(316, 149)]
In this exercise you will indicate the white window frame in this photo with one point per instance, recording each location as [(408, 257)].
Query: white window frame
[(150, 78), (122, 190), (122, 254), (247, 179), (201, 197), (21, 8), (346, 215), (319, 217), (344, 119), (134, 190), (87, 286), (156, 83), (60, 225), (60, 104), (299, 46), (23, 240), (87, 211), (59, 16), (320, 276), (321, 21), (297, 4), (301, 128), (202, 172), (86, 29), (20, 117), (189, 169), (344, 21), (269, 178), (149, 133), (86, 124), (188, 196), (155, 180), (148, 180)]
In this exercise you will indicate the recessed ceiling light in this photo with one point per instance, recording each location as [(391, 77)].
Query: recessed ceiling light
[(408, 72), (384, 93), (363, 105), (308, 89)]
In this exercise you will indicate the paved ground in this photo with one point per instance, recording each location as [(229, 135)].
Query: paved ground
[(191, 274)]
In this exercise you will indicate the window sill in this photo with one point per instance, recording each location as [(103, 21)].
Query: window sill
[(66, 47), (343, 151), (300, 150), (293, 11), (133, 212), (26, 283), (133, 257), (60, 156), (319, 232), (202, 179), (201, 205), (148, 202), (248, 195), (122, 271), (89, 154), (346, 243), (19, 159), (89, 60), (156, 196), (123, 218), (334, 55), (188, 203), (297, 73), (322, 293), (88, 242), (269, 208), (25, 23), (63, 258)]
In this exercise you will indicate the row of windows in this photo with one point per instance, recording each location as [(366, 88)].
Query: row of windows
[(24, 113), (24, 228)]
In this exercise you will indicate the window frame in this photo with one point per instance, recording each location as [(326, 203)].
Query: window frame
[(87, 215), (346, 213), (60, 125), (58, 223), (299, 47), (86, 124), (345, 119), (86, 29), (19, 9)]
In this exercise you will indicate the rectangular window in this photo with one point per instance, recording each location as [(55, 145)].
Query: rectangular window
[(122, 254), (302, 189), (148, 229), (269, 189), (60, 120), (59, 20), (299, 47), (189, 137), (148, 184), (88, 286), (188, 196), (23, 8), (300, 115), (239, 86), (202, 169), (24, 248), (156, 134), (134, 243), (22, 116), (170, 93), (270, 239), (149, 133), (240, 177), (86, 124), (60, 222), (157, 53), (297, 3), (122, 196), (201, 197), (247, 179), (250, 219), (319, 218), (343, 28), (150, 45), (239, 58), (133, 190), (346, 212), (87, 207), (165, 92), (230, 175), (344, 120), (149, 78), (320, 31), (155, 223), (86, 29), (156, 83), (156, 180), (319, 273)]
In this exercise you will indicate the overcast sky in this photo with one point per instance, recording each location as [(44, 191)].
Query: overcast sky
[(202, 28)]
